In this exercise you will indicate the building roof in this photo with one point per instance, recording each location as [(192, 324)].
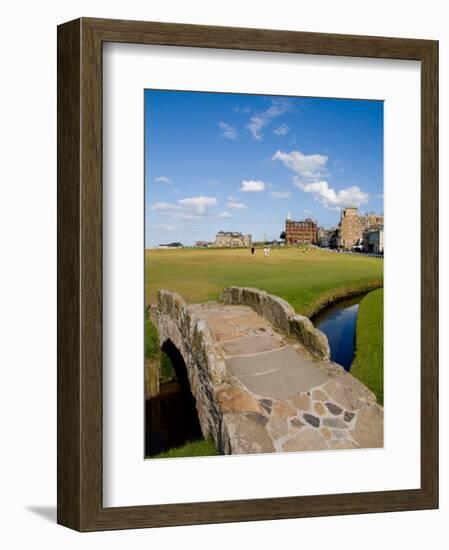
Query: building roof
[(231, 234), (306, 220)]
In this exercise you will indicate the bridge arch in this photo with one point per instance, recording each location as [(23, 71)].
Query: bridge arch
[(171, 417)]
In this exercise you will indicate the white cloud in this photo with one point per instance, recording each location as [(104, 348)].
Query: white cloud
[(164, 206), (281, 194), (306, 211), (306, 166), (282, 130), (252, 186), (225, 215), (331, 199), (258, 121), (228, 131), (186, 216), (162, 179), (189, 208), (236, 205), (197, 206), (309, 170)]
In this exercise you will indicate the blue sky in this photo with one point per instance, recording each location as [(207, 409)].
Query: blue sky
[(237, 162)]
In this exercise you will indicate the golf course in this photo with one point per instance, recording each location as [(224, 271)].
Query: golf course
[(307, 278)]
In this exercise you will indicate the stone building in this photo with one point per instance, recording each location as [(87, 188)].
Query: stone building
[(326, 237), (349, 228), (371, 221), (373, 241), (232, 239), (320, 234), (303, 231)]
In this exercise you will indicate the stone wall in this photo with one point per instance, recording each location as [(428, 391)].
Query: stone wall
[(205, 366), (282, 316)]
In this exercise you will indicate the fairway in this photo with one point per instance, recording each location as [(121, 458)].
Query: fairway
[(305, 279)]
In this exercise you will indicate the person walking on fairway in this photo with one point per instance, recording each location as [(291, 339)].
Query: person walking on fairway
[(252, 250)]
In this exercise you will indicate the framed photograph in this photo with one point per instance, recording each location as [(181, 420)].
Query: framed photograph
[(247, 274)]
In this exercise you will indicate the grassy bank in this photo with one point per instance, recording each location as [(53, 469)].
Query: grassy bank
[(368, 361), (154, 354), (152, 350), (307, 279), (203, 447)]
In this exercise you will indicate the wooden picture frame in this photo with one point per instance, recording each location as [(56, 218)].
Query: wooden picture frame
[(80, 504)]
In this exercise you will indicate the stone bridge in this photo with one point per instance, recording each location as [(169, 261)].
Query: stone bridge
[(262, 378)]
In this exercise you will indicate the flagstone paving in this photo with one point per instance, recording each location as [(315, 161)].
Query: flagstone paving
[(278, 397)]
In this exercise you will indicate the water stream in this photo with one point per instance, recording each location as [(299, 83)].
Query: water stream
[(338, 321)]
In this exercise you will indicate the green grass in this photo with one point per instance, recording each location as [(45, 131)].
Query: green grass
[(305, 279), (167, 370), (203, 447), (152, 350), (369, 359)]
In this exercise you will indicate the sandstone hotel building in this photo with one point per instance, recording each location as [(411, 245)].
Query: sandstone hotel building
[(349, 228), (353, 228)]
